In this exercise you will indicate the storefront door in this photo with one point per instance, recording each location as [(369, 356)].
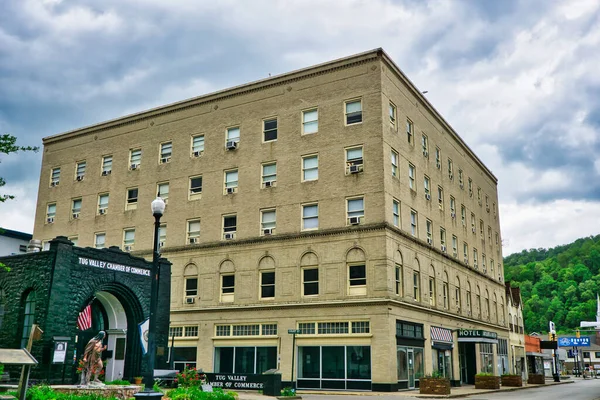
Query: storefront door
[(466, 356), (411, 368)]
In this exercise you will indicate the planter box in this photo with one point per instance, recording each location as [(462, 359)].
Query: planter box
[(536, 379), (487, 382), (434, 386), (512, 380)]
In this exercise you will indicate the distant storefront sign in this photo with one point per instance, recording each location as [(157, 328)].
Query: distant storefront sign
[(572, 341)]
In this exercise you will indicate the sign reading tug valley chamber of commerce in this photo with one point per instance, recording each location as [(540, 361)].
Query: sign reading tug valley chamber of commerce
[(113, 266), (477, 335)]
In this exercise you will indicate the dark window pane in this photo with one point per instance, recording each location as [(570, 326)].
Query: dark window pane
[(309, 361), (354, 118), (268, 278), (229, 223), (357, 271), (311, 288), (270, 124), (244, 360), (311, 275), (228, 283), (333, 362), (358, 362), (224, 359), (270, 135), (266, 359), (191, 284), (267, 291)]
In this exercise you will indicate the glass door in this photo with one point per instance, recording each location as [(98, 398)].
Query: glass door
[(411, 369), (462, 360)]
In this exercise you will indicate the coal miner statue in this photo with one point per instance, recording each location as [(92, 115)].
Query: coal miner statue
[(92, 360)]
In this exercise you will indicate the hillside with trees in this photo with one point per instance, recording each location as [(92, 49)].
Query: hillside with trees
[(558, 284)]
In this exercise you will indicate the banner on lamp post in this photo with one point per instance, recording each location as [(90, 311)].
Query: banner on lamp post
[(143, 327)]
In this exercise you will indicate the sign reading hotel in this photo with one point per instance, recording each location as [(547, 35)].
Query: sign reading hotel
[(477, 333), (90, 262)]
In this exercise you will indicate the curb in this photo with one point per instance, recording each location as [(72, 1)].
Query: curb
[(479, 392)]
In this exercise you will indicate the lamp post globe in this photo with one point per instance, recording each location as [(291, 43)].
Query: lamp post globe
[(158, 206)]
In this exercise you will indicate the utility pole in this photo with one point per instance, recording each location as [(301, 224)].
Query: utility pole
[(555, 374)]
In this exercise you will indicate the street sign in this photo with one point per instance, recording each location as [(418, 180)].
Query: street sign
[(294, 331), (572, 341)]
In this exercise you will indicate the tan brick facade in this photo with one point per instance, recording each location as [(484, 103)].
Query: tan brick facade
[(334, 248)]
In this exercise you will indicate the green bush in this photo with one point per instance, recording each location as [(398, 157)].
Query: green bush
[(484, 374), (121, 382), (196, 393), (47, 393), (288, 391)]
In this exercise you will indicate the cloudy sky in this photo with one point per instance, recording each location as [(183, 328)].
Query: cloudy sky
[(519, 80)]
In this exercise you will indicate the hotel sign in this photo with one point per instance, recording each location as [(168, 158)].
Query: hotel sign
[(90, 262), (477, 333)]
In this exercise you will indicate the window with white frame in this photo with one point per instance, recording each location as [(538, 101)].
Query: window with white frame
[(269, 174), (45, 245), (416, 286), (353, 112), (481, 229), (267, 222), (445, 292), (128, 239), (413, 223), (310, 281), (227, 288), (443, 238), (457, 296), (310, 167), (425, 145), (166, 151), (310, 216), (163, 191), (473, 226), (469, 300), (74, 239), (132, 199), (162, 235), (487, 203), (475, 264), (191, 287), (232, 136), (463, 215), (452, 207), (466, 252), (267, 284), (270, 130), (410, 131), (197, 145), (438, 158), (80, 170), (478, 301), (135, 158), (356, 210), (411, 176), (55, 177), (483, 264), (426, 185), (193, 231), (191, 331), (470, 183), (432, 296), (454, 246), (429, 230), (75, 208), (106, 165), (103, 203), (396, 212), (310, 121), (497, 238), (479, 195), (492, 268), (195, 191), (50, 213), (440, 197), (450, 169), (394, 159), (231, 181), (357, 279), (99, 240), (461, 180), (489, 234), (494, 209), (229, 226), (392, 114), (354, 160), (399, 280)]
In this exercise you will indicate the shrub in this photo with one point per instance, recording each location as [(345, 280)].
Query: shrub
[(190, 377), (118, 382), (196, 393), (484, 374), (47, 393), (288, 391)]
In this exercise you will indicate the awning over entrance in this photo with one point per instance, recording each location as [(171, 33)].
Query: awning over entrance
[(441, 338), (477, 336)]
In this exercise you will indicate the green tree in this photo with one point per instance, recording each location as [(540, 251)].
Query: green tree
[(8, 145)]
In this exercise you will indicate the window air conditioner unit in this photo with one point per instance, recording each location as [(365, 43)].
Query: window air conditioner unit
[(228, 236), (231, 145), (425, 153), (134, 166), (105, 173), (75, 215), (427, 196), (355, 169), (197, 153), (50, 220), (230, 190), (165, 160), (443, 248), (54, 183), (269, 183), (453, 215), (102, 211), (128, 248), (193, 240), (190, 300), (354, 220), (429, 241), (79, 178), (267, 231)]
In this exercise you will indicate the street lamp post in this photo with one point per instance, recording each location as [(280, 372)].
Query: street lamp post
[(293, 332), (158, 209)]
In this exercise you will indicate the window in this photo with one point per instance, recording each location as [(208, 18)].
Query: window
[(461, 180), (454, 246), (132, 199), (443, 238), (227, 288), (267, 222), (357, 276), (492, 267), (438, 158), (191, 287), (267, 285), (310, 121), (232, 137), (354, 160), (106, 165), (197, 145), (463, 215), (310, 168), (399, 280), (310, 281), (394, 159), (432, 291), (73, 239), (310, 217), (269, 174), (416, 285), (475, 258), (176, 331), (195, 188), (469, 306), (55, 177), (229, 226), (135, 158), (470, 187), (353, 112), (466, 252), (193, 231), (396, 212), (486, 351), (483, 265), (429, 229), (411, 176), (441, 198), (487, 203), (452, 207), (450, 169), (473, 227), (481, 225), (425, 145), (497, 238), (99, 240), (409, 330), (162, 235), (128, 239), (494, 208), (445, 294), (426, 185), (166, 150), (586, 354), (75, 208), (413, 223), (479, 195), (50, 213), (409, 131), (457, 296), (392, 114), (270, 130), (478, 300), (356, 210), (191, 331), (231, 181), (163, 191), (80, 170), (28, 317)]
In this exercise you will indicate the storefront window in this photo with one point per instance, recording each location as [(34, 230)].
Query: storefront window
[(358, 362), (419, 363), (309, 362), (333, 362), (503, 358), (486, 351), (334, 367), (402, 363), (245, 360), (442, 362)]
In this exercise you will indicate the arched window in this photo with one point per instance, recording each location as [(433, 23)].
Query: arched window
[(28, 317), (487, 305), (496, 308), (432, 294), (417, 281), (469, 300), (399, 271), (190, 278), (309, 264), (502, 312), (445, 290), (457, 296), (478, 301)]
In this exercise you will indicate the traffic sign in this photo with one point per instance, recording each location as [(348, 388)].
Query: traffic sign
[(294, 331), (572, 341)]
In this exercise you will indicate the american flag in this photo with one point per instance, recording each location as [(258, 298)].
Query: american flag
[(84, 320)]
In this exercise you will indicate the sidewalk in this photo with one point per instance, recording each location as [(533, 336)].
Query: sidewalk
[(463, 391)]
